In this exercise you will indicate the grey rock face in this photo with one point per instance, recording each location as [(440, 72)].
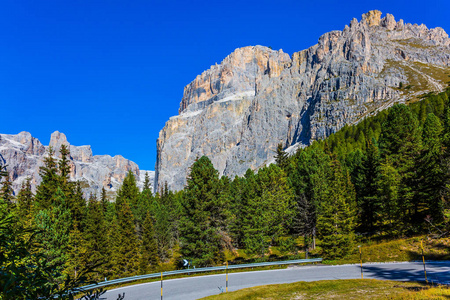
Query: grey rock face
[(238, 111), (24, 154)]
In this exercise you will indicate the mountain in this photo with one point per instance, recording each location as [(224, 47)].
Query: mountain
[(239, 110), (24, 154)]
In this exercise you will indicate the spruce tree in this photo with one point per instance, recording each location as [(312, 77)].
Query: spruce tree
[(269, 213), (6, 191), (55, 223), (149, 249), (401, 142), (336, 221), (25, 202), (388, 185), (96, 239), (369, 204), (431, 184), (281, 157), (47, 188), (127, 245), (308, 180), (147, 184), (202, 227), (104, 201)]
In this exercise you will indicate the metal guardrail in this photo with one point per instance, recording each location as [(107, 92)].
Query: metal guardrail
[(197, 270)]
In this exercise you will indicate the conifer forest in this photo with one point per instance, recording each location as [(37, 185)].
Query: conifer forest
[(386, 177)]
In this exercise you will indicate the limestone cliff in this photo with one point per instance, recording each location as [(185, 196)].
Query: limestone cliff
[(238, 111), (24, 154)]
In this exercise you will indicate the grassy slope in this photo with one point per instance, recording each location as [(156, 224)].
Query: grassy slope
[(340, 289)]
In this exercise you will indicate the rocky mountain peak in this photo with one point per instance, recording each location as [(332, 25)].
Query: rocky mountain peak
[(239, 110), (372, 18), (240, 71), (24, 155)]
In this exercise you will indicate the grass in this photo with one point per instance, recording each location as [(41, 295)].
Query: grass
[(340, 289), (399, 250)]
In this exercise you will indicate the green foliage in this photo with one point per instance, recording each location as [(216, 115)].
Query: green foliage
[(281, 157), (149, 249), (203, 223), (268, 213), (336, 221), (25, 200)]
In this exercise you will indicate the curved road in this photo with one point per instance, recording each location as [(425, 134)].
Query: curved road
[(202, 286)]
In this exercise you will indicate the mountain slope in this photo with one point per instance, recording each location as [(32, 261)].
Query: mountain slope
[(238, 111), (24, 154)]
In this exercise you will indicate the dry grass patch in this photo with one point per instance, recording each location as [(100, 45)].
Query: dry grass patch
[(339, 289)]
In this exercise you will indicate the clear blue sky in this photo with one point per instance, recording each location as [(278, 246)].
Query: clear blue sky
[(110, 73)]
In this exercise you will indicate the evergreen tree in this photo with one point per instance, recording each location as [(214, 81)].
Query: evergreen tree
[(55, 223), (25, 202), (269, 213), (76, 204), (149, 249), (104, 201), (282, 157), (388, 184), (47, 189), (400, 141), (76, 258), (308, 180), (202, 227), (369, 202), (126, 248), (431, 184), (6, 191), (147, 184), (96, 240), (64, 170), (336, 221)]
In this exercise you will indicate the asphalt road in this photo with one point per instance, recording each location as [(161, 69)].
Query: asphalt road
[(202, 286)]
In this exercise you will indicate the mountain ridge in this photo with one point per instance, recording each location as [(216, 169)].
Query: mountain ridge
[(23, 154), (237, 111)]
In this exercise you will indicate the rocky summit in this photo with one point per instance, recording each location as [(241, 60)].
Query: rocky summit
[(24, 154), (239, 110)]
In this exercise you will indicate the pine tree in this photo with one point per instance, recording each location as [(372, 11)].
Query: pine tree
[(388, 184), (269, 213), (282, 157), (46, 190), (147, 184), (401, 142), (149, 249), (129, 193), (55, 223), (25, 202), (202, 227), (104, 201), (336, 221), (76, 258), (127, 245), (96, 240), (6, 191), (431, 184), (369, 204), (77, 205), (308, 180)]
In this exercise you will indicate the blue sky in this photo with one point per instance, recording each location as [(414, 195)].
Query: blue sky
[(110, 73)]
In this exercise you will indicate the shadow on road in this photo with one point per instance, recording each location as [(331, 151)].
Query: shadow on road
[(434, 273)]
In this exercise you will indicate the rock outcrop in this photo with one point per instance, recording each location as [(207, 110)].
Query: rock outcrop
[(238, 111), (24, 154)]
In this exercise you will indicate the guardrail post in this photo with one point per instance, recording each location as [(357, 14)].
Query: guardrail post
[(226, 290), (423, 259), (161, 286), (360, 260)]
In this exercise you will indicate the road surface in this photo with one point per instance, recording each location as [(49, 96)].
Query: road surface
[(202, 286)]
